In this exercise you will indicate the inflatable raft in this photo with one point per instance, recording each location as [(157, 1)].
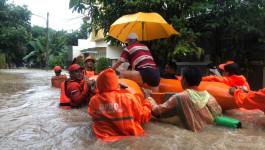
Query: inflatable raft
[(168, 87)]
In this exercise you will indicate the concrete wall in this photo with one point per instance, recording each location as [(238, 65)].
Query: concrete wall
[(182, 65), (113, 52), (100, 43)]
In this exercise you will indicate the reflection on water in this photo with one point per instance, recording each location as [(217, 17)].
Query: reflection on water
[(30, 119)]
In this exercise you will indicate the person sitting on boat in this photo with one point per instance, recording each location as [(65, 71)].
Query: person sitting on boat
[(58, 79), (114, 114), (230, 71), (142, 63), (196, 109), (169, 71), (75, 91), (249, 99)]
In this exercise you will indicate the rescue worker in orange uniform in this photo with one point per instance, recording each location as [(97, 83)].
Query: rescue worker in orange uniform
[(58, 79), (230, 76), (88, 71), (89, 63), (75, 89), (116, 115), (249, 99)]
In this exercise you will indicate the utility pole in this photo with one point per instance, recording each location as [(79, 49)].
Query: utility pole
[(47, 42)]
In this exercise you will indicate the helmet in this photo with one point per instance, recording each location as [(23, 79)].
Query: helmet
[(90, 58)]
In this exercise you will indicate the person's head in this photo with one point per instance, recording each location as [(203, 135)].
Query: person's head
[(210, 66), (229, 68), (107, 81), (191, 76), (132, 38), (170, 68), (76, 72), (89, 62), (57, 70)]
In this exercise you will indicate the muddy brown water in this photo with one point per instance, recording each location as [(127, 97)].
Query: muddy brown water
[(31, 119)]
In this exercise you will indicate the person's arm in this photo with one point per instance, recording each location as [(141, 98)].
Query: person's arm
[(159, 109), (122, 59), (214, 78), (77, 95), (214, 107), (156, 110), (117, 64), (142, 113)]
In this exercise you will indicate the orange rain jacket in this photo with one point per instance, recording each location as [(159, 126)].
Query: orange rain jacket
[(77, 92), (58, 80), (231, 81), (250, 100), (116, 115)]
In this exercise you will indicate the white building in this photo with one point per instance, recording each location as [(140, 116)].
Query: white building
[(95, 46)]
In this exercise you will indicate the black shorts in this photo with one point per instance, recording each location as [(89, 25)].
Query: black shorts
[(150, 76)]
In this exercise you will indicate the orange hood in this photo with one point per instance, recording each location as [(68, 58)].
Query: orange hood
[(107, 81)]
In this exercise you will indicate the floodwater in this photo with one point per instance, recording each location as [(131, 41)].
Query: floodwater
[(31, 119)]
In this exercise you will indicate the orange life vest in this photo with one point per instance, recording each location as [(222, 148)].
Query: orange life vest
[(89, 73), (58, 80), (65, 101)]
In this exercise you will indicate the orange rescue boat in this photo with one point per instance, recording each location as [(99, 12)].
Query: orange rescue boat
[(216, 89)]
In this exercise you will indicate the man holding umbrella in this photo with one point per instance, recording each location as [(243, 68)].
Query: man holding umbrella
[(142, 62)]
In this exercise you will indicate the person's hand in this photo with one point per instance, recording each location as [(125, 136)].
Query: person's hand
[(86, 79), (91, 84), (232, 90), (243, 88), (147, 92)]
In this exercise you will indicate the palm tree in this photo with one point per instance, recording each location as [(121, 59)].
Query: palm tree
[(37, 56)]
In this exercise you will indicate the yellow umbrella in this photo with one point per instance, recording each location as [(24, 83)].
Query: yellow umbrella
[(148, 26)]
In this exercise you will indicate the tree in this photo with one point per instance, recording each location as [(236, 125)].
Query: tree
[(57, 50), (38, 54), (226, 29), (14, 31)]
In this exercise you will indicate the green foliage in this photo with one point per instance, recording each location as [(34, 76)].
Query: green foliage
[(37, 31), (14, 31), (81, 62), (72, 38), (57, 51), (102, 64), (60, 60)]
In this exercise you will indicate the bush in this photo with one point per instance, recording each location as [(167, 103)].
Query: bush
[(58, 61), (102, 64), (81, 62)]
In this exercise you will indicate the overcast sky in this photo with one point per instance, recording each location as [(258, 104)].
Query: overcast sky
[(61, 17)]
